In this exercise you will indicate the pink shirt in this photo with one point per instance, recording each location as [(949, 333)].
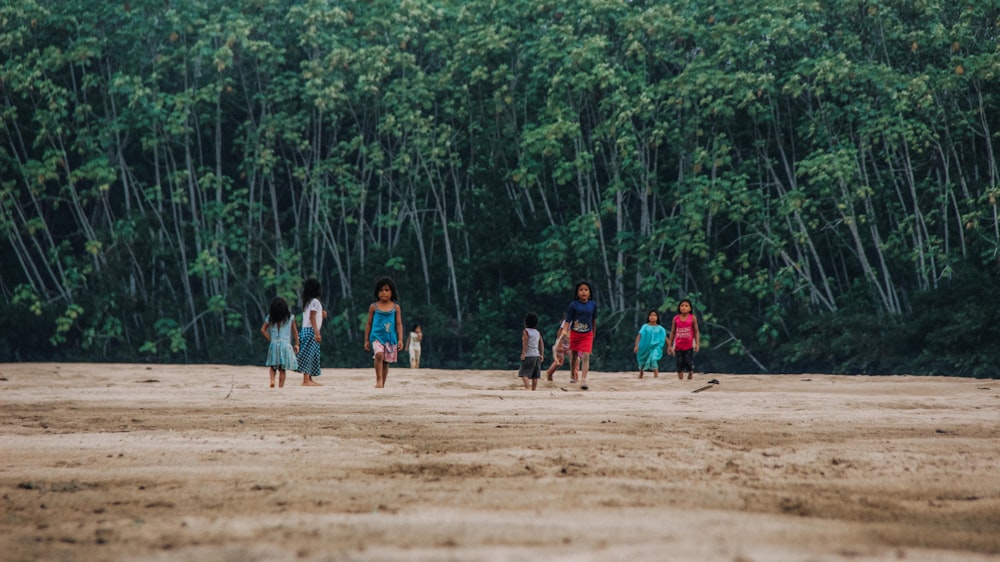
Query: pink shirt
[(683, 333)]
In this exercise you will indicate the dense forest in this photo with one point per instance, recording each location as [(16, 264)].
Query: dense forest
[(819, 177)]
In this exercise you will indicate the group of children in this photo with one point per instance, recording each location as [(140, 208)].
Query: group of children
[(576, 339), (299, 349)]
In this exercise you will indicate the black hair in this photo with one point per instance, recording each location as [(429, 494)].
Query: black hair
[(279, 313), (685, 301), (576, 291), (414, 326), (382, 282), (311, 289), (652, 310), (530, 320)]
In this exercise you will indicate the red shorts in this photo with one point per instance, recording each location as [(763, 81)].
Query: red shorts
[(581, 342)]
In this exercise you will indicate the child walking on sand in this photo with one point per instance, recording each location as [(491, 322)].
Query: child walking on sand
[(581, 317), (649, 344), (309, 335), (413, 345), (384, 331), (532, 352), (559, 350), (279, 330), (685, 339)]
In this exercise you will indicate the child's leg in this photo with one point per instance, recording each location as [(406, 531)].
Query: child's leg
[(572, 366), (378, 370), (524, 381), (640, 373), (385, 372), (584, 367), (281, 378), (534, 383), (272, 377)]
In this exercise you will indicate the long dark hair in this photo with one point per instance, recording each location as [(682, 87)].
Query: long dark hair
[(311, 289), (279, 312)]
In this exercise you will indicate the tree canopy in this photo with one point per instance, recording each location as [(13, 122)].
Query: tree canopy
[(818, 177)]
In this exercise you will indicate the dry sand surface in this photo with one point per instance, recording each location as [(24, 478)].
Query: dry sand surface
[(205, 462)]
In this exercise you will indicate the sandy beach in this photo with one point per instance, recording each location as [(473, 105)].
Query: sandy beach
[(206, 462)]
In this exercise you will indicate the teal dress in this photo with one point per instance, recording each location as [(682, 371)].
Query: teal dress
[(651, 340), (281, 354)]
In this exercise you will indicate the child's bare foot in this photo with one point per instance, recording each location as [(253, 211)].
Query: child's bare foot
[(310, 382), (690, 375), (656, 374), (272, 384)]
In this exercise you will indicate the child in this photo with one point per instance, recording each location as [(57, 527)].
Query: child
[(532, 352), (581, 317), (413, 345), (309, 335), (685, 339), (649, 344), (559, 350), (279, 329), (384, 331)]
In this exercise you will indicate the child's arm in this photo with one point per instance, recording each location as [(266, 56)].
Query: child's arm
[(524, 343), (635, 348), (312, 322), (295, 336), (263, 330), (368, 327), (541, 347), (670, 338), (399, 327), (697, 333)]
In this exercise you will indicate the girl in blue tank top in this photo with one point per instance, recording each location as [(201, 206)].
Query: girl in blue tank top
[(384, 331)]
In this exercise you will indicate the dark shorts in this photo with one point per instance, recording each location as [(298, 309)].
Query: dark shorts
[(685, 359), (531, 367)]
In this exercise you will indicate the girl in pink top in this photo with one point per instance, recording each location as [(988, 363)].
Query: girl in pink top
[(684, 339)]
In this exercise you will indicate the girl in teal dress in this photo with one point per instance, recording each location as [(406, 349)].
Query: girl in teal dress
[(649, 344), (279, 330)]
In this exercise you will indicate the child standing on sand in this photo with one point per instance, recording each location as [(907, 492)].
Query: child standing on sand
[(685, 339), (532, 352), (279, 330), (581, 317), (413, 345), (309, 335), (384, 331), (649, 344)]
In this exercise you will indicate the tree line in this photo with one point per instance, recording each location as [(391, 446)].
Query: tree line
[(818, 177)]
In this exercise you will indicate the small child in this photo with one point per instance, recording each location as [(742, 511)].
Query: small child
[(649, 344), (532, 352), (685, 339), (413, 345), (384, 331), (309, 357), (559, 350), (279, 330), (581, 317)]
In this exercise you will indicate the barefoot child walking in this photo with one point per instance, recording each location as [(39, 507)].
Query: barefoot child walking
[(532, 352), (559, 350), (384, 330), (581, 317), (279, 329), (649, 344), (685, 339)]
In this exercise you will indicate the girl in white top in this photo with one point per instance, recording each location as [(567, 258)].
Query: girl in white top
[(413, 345)]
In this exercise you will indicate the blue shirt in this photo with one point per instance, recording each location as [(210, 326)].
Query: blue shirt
[(581, 316)]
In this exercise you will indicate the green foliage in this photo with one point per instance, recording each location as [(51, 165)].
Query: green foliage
[(807, 172)]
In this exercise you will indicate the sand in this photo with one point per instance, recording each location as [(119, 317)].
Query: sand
[(205, 462)]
